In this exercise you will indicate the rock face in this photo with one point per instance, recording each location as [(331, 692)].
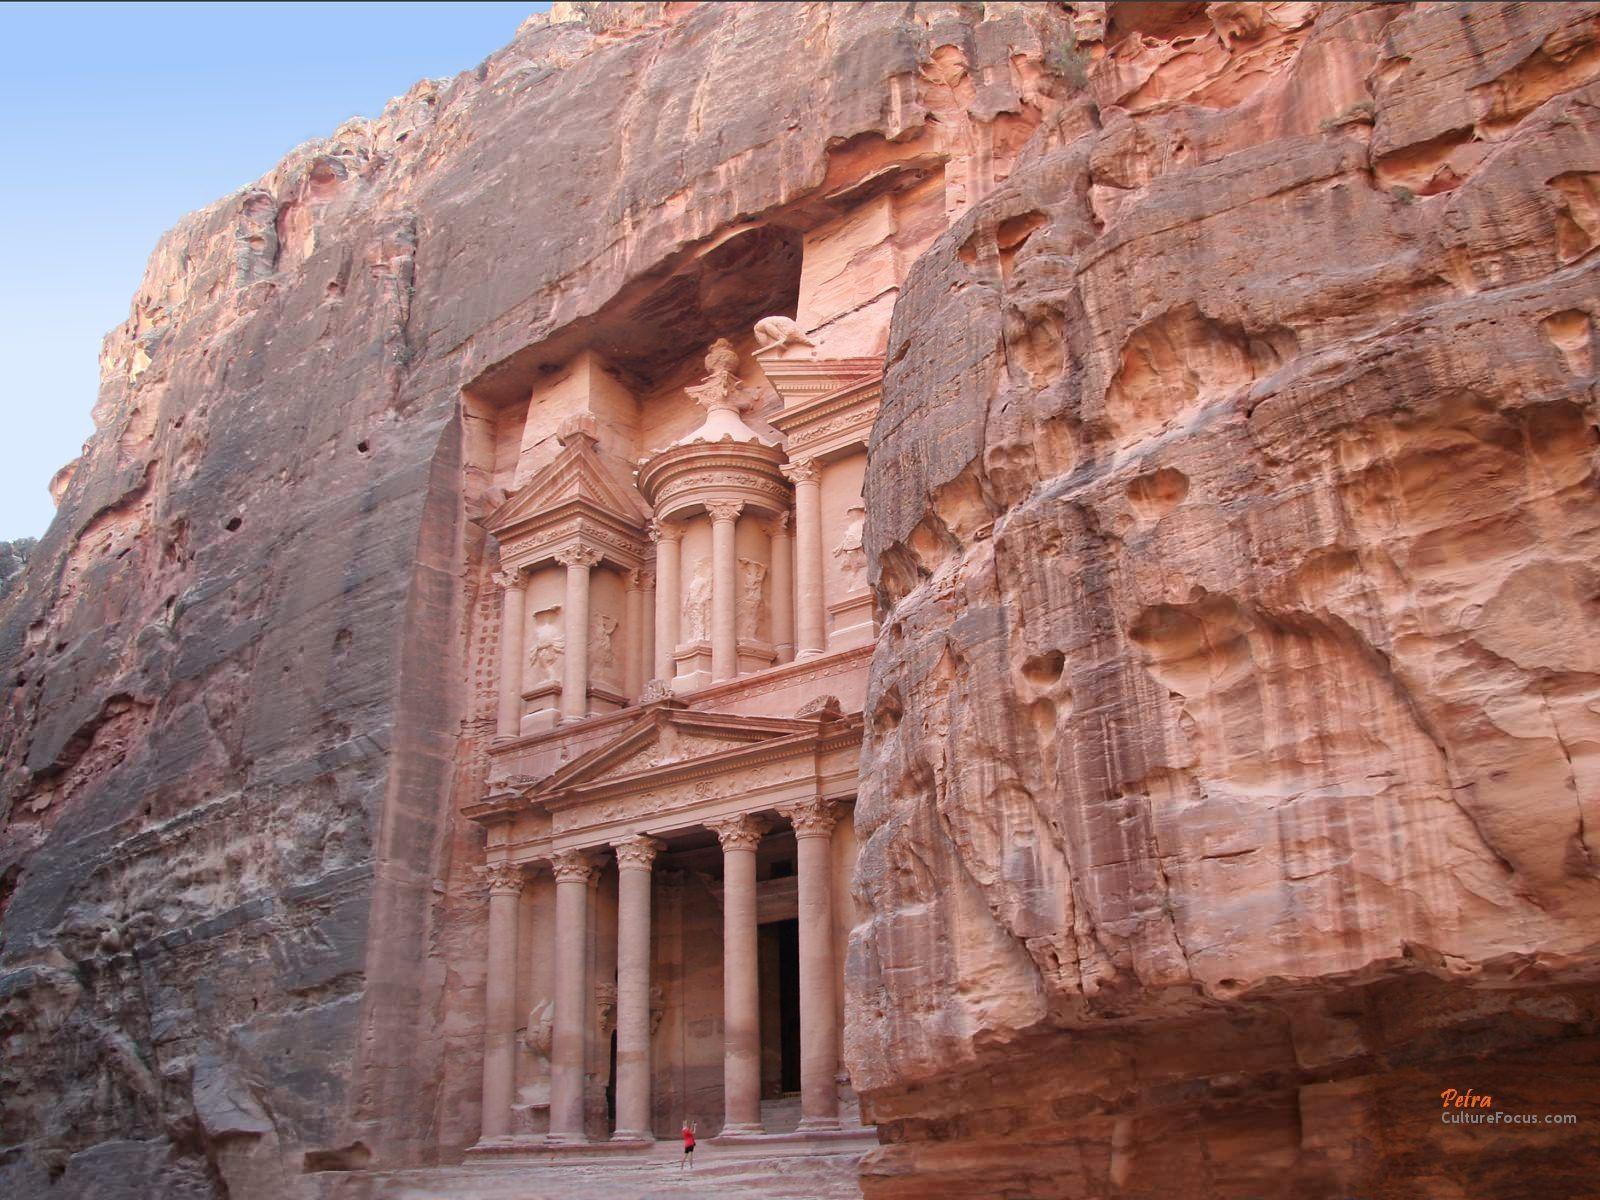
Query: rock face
[(13, 557), (242, 932), (1232, 785), (1231, 782)]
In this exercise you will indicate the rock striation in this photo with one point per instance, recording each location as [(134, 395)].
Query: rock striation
[(1232, 749), (1233, 754)]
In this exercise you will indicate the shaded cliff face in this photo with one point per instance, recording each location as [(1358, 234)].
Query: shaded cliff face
[(239, 706), (1233, 774)]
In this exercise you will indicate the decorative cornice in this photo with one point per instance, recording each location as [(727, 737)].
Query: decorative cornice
[(637, 852), (812, 818), (504, 878), (740, 832), (578, 556)]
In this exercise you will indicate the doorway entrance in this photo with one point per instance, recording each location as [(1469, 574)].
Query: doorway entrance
[(780, 1007)]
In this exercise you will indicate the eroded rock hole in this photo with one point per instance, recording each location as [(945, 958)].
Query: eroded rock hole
[(233, 523)]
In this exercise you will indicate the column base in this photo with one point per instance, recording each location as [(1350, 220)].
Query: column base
[(805, 654), (630, 1135), (739, 1129), (817, 1125), (566, 1139)]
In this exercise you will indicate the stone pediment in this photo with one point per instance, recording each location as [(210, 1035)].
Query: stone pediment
[(667, 739), (576, 478)]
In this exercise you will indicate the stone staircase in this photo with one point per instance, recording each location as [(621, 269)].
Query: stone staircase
[(655, 1176), (784, 1165)]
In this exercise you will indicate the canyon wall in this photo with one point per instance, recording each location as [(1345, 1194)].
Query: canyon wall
[(242, 923), (1232, 784)]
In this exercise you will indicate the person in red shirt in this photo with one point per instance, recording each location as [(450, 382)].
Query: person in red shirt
[(688, 1146)]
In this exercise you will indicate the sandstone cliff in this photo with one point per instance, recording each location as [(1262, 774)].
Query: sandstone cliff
[(1233, 779), (242, 939)]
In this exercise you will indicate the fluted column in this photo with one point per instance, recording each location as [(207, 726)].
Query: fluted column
[(508, 713), (668, 538), (634, 856), (575, 620), (500, 999), (724, 589), (813, 822), (635, 667), (782, 588), (572, 869), (741, 996), (809, 627)]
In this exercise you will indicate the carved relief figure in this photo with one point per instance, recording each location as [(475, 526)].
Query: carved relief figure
[(540, 1024), (781, 332), (697, 605), (752, 599), (851, 555), (544, 656), (602, 648)]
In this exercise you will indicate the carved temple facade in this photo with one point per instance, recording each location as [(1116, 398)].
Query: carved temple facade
[(682, 651), (672, 636)]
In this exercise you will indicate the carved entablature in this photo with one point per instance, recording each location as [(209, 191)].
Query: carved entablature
[(828, 404), (685, 479), (576, 502), (674, 769)]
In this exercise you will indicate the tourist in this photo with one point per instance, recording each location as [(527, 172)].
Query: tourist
[(688, 1146)]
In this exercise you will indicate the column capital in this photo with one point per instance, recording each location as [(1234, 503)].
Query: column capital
[(578, 556), (812, 818), (640, 579), (637, 851), (504, 878), (779, 526), (665, 531), (741, 832), (725, 510), (572, 866), (508, 577), (801, 470)]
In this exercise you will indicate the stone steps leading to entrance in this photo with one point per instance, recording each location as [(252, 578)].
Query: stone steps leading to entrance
[(654, 1175)]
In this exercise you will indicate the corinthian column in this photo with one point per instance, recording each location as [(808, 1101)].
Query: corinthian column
[(807, 556), (634, 856), (724, 590), (575, 620), (571, 869), (508, 713), (668, 538), (741, 996), (782, 588), (813, 822), (500, 999)]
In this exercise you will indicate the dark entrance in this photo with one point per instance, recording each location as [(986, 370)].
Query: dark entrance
[(780, 1016)]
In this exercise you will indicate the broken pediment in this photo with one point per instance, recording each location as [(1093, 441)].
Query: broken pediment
[(576, 479)]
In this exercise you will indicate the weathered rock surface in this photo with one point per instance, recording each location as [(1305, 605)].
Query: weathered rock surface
[(241, 941), (13, 557), (1233, 777)]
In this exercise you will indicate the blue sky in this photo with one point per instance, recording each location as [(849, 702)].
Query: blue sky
[(124, 117)]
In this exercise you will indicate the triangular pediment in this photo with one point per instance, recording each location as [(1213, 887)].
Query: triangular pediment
[(576, 475), (669, 738)]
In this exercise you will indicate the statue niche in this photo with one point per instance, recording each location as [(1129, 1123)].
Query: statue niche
[(544, 655), (697, 605), (752, 617)]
